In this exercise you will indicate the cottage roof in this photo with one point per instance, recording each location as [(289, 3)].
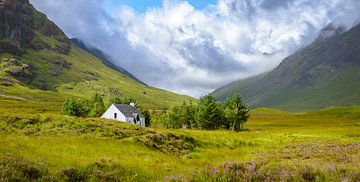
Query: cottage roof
[(128, 110)]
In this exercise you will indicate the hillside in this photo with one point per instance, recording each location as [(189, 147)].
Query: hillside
[(322, 74), (106, 59), (40, 64)]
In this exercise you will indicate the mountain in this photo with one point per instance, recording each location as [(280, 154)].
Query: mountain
[(322, 74), (106, 59), (40, 64)]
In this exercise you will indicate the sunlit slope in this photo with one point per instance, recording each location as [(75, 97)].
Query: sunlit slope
[(84, 77), (40, 64)]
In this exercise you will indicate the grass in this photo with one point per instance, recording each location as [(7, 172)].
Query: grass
[(83, 76), (274, 140)]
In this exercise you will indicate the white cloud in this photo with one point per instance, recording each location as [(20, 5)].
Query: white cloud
[(193, 51)]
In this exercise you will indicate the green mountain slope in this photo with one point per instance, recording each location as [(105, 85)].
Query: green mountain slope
[(40, 64), (322, 74), (106, 59)]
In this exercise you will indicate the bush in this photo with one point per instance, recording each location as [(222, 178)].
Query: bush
[(73, 175), (93, 107), (169, 143), (18, 169), (72, 107)]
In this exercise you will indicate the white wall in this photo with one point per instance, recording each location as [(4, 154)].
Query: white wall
[(109, 114)]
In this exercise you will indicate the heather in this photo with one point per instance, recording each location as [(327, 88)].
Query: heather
[(276, 146)]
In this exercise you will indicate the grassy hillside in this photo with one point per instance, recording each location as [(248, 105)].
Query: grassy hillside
[(325, 73), (39, 64), (107, 60), (321, 145), (84, 77)]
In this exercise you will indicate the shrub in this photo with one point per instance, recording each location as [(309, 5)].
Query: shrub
[(169, 143), (93, 107), (72, 107), (72, 174), (15, 168)]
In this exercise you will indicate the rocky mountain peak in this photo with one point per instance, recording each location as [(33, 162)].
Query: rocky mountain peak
[(21, 26)]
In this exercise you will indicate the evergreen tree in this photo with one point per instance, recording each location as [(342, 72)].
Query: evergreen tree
[(236, 113), (210, 114)]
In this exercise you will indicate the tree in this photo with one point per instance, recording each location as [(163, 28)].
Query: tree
[(145, 113), (147, 116), (210, 114), (182, 116), (187, 115), (126, 100), (157, 118), (71, 107), (95, 106), (236, 112)]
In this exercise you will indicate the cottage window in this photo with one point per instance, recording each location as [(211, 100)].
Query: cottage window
[(115, 115)]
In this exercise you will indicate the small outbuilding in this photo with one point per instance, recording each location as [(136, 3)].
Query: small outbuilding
[(125, 113)]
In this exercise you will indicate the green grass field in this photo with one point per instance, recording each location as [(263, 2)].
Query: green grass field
[(316, 146)]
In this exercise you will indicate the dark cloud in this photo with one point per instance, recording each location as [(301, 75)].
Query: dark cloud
[(207, 55), (274, 4)]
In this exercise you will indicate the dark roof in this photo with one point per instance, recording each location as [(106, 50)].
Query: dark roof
[(128, 110)]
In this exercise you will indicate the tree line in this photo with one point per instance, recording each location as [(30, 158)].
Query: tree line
[(208, 114), (95, 107)]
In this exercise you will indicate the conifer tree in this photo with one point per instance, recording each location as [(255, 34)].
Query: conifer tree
[(236, 113), (210, 114)]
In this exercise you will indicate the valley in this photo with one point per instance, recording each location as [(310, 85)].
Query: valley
[(297, 122), (294, 141)]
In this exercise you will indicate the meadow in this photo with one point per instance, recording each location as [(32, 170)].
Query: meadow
[(43, 145)]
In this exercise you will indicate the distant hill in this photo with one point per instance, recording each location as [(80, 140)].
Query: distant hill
[(106, 59), (39, 63), (322, 74)]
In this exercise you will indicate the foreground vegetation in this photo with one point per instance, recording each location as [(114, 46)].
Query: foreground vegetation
[(315, 146)]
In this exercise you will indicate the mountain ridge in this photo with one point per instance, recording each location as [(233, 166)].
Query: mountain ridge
[(324, 73), (106, 59), (39, 64)]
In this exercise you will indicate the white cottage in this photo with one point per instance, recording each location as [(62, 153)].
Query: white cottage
[(125, 113)]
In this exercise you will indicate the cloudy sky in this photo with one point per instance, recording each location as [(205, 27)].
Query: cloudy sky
[(193, 47)]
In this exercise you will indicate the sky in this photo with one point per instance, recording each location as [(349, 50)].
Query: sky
[(193, 47), (142, 5)]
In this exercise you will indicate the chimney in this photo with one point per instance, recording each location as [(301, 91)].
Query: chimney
[(132, 104)]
